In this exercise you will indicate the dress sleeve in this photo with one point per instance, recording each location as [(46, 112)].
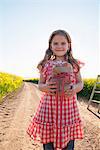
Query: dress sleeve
[(80, 63), (44, 70)]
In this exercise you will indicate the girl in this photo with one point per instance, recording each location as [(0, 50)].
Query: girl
[(57, 122)]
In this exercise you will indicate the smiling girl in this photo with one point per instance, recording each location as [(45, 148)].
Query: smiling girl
[(57, 122)]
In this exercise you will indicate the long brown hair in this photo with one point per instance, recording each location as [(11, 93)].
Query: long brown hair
[(68, 56)]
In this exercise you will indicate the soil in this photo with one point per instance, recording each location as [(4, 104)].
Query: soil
[(17, 110)]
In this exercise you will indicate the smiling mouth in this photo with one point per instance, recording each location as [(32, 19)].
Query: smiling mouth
[(59, 50)]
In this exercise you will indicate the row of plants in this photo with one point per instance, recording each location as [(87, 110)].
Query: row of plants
[(9, 83), (32, 80)]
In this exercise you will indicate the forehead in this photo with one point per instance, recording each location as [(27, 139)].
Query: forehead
[(59, 38)]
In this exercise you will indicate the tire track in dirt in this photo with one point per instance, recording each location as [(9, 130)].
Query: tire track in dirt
[(14, 119), (16, 112)]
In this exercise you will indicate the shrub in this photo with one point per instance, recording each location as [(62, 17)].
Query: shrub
[(87, 89), (9, 83)]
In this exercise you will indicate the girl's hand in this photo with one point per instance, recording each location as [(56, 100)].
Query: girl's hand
[(51, 87), (69, 92)]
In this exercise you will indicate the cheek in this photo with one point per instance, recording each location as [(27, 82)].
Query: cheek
[(65, 48), (52, 47)]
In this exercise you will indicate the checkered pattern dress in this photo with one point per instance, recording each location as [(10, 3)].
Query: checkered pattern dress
[(57, 118)]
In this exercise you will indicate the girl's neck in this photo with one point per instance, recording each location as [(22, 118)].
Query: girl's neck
[(60, 58)]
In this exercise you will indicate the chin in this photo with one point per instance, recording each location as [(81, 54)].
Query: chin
[(60, 55)]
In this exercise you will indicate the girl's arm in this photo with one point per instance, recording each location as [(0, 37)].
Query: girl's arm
[(46, 87), (41, 83), (79, 83)]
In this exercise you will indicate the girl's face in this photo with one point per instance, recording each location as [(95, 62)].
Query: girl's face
[(59, 45)]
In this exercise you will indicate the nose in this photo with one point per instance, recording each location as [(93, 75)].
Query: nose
[(59, 46)]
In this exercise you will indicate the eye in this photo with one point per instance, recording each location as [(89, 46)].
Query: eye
[(63, 43), (55, 43)]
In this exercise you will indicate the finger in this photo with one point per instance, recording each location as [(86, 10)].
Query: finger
[(51, 82), (52, 93), (67, 94), (53, 90), (52, 86), (69, 91)]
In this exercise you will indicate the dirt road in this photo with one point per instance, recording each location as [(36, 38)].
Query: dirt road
[(16, 112)]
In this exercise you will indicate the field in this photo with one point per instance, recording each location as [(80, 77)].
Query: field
[(8, 83), (20, 101)]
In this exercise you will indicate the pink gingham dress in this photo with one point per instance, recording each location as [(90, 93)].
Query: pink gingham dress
[(57, 118)]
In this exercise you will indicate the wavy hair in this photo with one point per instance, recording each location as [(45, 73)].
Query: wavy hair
[(68, 56)]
